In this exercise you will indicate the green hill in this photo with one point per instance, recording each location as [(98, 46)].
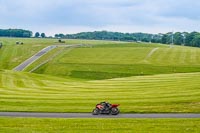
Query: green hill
[(141, 77), (122, 60), (12, 55)]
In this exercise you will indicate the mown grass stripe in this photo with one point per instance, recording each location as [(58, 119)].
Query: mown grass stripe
[(159, 93)]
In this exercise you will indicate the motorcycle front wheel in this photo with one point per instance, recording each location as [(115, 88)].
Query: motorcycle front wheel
[(114, 111)]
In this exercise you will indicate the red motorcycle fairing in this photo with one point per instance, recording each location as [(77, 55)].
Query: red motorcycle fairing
[(114, 105), (99, 106)]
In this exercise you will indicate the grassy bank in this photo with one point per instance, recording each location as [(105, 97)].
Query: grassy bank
[(42, 93), (12, 55), (122, 60)]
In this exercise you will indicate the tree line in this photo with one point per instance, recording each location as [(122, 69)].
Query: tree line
[(178, 38), (15, 33), (182, 38), (19, 33), (105, 35)]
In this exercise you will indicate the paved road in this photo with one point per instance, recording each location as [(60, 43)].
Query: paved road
[(32, 59), (89, 115)]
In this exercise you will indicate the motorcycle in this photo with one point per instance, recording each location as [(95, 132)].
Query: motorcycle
[(107, 108)]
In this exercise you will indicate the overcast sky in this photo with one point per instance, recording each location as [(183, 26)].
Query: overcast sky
[(72, 16)]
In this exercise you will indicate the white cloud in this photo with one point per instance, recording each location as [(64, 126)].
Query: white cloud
[(69, 16)]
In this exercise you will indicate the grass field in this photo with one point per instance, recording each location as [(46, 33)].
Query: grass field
[(122, 60), (142, 78), (141, 94), (27, 125), (12, 55)]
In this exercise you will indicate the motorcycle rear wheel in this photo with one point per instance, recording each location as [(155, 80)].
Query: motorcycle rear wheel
[(95, 111)]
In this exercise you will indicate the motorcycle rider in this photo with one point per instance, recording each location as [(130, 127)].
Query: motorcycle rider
[(106, 108), (106, 105)]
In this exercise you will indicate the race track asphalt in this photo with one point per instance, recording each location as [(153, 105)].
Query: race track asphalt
[(39, 54), (89, 115)]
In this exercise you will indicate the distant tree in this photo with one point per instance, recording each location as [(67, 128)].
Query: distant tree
[(43, 35), (37, 34), (196, 40), (164, 39), (59, 35), (1, 44), (145, 40), (27, 34), (178, 38), (56, 35), (189, 38)]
